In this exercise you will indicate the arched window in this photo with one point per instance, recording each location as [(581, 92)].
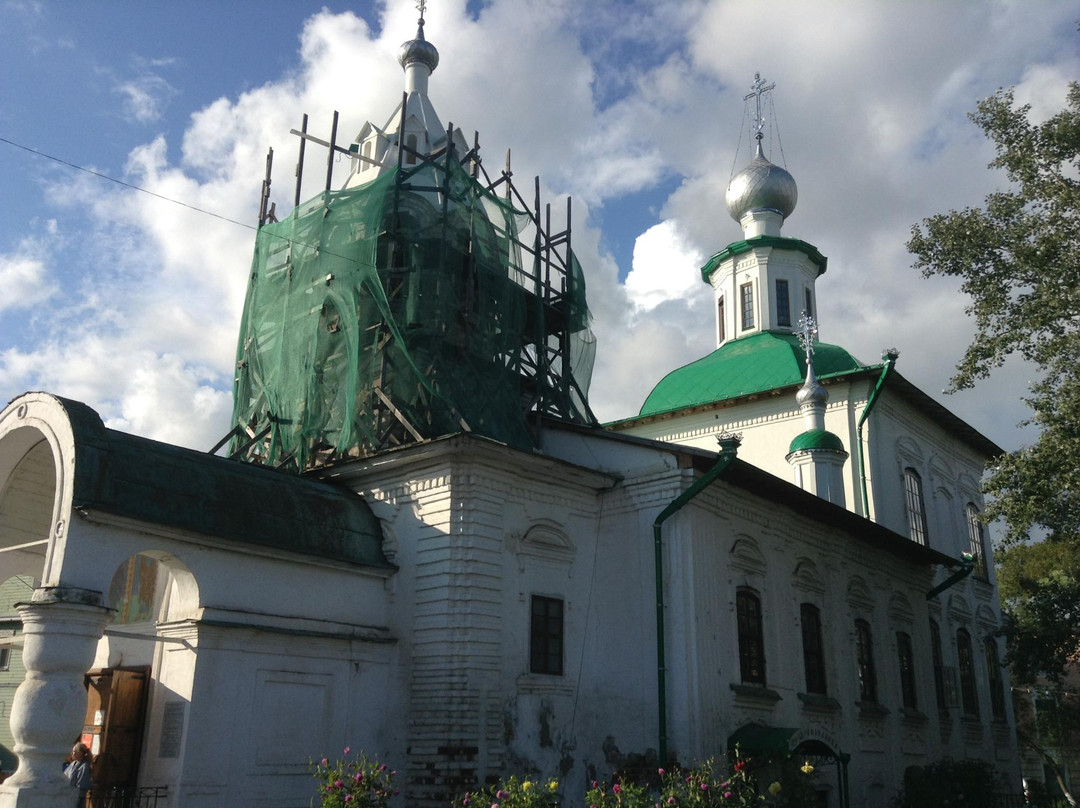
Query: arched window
[(939, 666), (916, 509), (813, 653), (993, 670), (864, 656), (969, 696), (906, 661), (751, 637), (977, 537)]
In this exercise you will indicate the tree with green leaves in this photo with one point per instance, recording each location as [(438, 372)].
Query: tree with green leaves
[(1018, 258), (1040, 594)]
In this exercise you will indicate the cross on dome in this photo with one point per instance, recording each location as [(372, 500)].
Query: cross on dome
[(421, 6), (758, 89), (807, 331)]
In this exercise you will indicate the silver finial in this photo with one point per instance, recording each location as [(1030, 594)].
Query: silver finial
[(758, 89), (807, 331)]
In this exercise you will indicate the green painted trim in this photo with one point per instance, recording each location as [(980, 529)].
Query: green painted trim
[(740, 247)]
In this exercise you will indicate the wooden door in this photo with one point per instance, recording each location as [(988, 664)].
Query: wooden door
[(115, 715)]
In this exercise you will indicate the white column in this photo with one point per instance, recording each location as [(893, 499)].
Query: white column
[(61, 628)]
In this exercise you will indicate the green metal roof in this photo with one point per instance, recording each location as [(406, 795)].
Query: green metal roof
[(753, 364), (154, 482), (816, 439), (740, 247)]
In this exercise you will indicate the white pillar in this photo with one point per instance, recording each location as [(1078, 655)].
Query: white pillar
[(61, 628)]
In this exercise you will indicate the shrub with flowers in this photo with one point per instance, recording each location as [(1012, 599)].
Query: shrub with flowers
[(620, 794), (513, 793), (359, 782), (706, 786)]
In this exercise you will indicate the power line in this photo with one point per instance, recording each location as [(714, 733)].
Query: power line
[(125, 184)]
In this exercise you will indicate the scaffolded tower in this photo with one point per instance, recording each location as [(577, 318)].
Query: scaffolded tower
[(427, 301)]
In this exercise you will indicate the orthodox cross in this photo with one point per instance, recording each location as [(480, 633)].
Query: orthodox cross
[(758, 89), (807, 332), (421, 6)]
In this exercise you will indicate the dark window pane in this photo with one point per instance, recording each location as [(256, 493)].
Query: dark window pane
[(546, 636), (864, 653), (968, 693), (751, 637), (813, 655), (939, 670), (746, 292), (783, 303), (906, 661)]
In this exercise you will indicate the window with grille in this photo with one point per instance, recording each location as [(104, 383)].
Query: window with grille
[(864, 656), (939, 665), (906, 661), (746, 298), (813, 653), (916, 510), (977, 537), (993, 670), (751, 637), (783, 303), (546, 636), (969, 695)]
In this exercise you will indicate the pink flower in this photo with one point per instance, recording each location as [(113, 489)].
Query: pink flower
[(465, 800), (500, 794), (382, 768), (670, 800), (704, 786), (347, 750), (494, 805), (594, 785), (322, 762), (348, 798), (338, 784), (661, 772), (616, 789), (727, 795)]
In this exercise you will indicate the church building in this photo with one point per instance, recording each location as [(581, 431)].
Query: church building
[(417, 540)]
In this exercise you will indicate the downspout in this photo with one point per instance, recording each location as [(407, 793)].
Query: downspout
[(967, 564), (889, 358), (729, 447)]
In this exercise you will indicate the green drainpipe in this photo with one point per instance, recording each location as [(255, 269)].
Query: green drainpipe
[(889, 358), (967, 564), (729, 447)]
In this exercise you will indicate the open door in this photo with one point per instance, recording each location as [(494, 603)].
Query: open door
[(115, 717)]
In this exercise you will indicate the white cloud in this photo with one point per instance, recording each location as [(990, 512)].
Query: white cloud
[(666, 267), (145, 97), (24, 277)]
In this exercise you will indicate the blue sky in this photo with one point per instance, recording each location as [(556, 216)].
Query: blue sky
[(633, 107)]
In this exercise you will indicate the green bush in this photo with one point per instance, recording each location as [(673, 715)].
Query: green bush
[(949, 783)]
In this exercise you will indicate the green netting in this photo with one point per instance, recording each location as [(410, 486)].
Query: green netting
[(402, 310)]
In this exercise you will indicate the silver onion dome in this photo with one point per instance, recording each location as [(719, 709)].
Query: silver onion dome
[(761, 186), (812, 392), (419, 50)]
